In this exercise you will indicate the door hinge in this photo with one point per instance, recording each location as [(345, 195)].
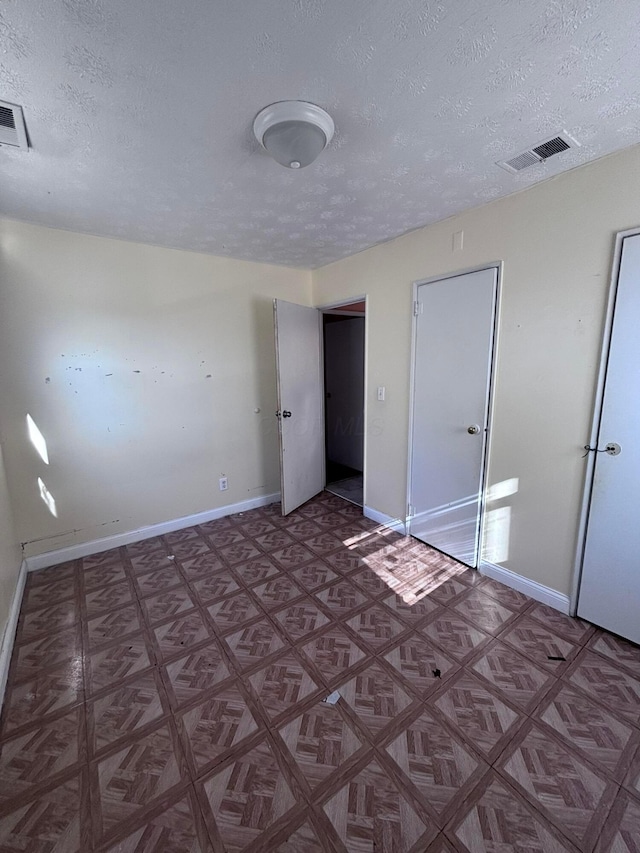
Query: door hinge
[(417, 308), (410, 511)]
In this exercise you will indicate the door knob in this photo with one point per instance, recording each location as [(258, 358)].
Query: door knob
[(474, 429), (286, 414)]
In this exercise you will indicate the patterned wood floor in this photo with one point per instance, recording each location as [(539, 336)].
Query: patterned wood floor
[(167, 697)]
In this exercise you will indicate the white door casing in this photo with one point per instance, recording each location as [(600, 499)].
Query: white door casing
[(609, 592), (300, 402), (453, 357)]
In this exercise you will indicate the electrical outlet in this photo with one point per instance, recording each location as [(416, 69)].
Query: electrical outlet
[(223, 483)]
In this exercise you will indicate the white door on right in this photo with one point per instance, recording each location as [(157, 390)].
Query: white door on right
[(452, 372), (610, 584)]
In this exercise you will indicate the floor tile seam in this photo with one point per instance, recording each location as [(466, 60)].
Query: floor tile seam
[(416, 713), (526, 709), (90, 693), (32, 789), (611, 792), (307, 596), (321, 797), (270, 614), (335, 682), (515, 745), (261, 616), (29, 610), (45, 720), (503, 740), (41, 789), (248, 673), (310, 815), (103, 839), (302, 706), (470, 657), (21, 641), (278, 749), (634, 793), (221, 762), (164, 659), (481, 650), (489, 686), (90, 649), (16, 680), (583, 755), (267, 660), (200, 696), (123, 835), (344, 624), (105, 611), (427, 697), (139, 613), (159, 623), (427, 813), (466, 808), (405, 681), (604, 828), (553, 635), (211, 573), (582, 642), (96, 756), (557, 671), (566, 678), (613, 662)]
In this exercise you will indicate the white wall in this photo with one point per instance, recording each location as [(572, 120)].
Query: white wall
[(142, 368), (556, 241)]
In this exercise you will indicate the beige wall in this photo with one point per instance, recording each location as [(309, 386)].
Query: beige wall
[(142, 368), (10, 555), (556, 242)]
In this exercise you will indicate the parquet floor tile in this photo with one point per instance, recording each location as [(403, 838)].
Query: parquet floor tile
[(169, 697)]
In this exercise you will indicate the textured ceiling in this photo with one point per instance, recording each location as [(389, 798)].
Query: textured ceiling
[(140, 113)]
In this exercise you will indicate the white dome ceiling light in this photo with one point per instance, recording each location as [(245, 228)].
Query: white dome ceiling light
[(295, 133)]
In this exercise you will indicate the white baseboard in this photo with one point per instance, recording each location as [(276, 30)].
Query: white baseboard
[(85, 549), (396, 524), (9, 635), (535, 590)]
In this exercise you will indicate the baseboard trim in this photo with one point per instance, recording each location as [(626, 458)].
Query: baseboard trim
[(85, 549), (533, 589), (396, 524), (9, 636)]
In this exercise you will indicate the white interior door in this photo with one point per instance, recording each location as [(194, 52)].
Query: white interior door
[(452, 370), (300, 412), (610, 585)]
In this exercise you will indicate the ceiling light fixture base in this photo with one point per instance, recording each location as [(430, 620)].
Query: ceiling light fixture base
[(294, 133)]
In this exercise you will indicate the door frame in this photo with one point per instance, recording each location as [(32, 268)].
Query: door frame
[(330, 307), (590, 467), (497, 266)]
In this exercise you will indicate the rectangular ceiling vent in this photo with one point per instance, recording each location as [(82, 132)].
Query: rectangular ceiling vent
[(539, 153), (12, 129)]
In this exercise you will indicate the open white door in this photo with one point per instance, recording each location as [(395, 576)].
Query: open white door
[(610, 585), (452, 373), (300, 412)]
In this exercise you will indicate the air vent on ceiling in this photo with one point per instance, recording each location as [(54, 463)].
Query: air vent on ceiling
[(539, 153), (12, 129)]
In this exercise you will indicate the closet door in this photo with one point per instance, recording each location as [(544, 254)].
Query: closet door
[(453, 359), (610, 584)]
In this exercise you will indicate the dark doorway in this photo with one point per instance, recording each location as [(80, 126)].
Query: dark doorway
[(343, 331)]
